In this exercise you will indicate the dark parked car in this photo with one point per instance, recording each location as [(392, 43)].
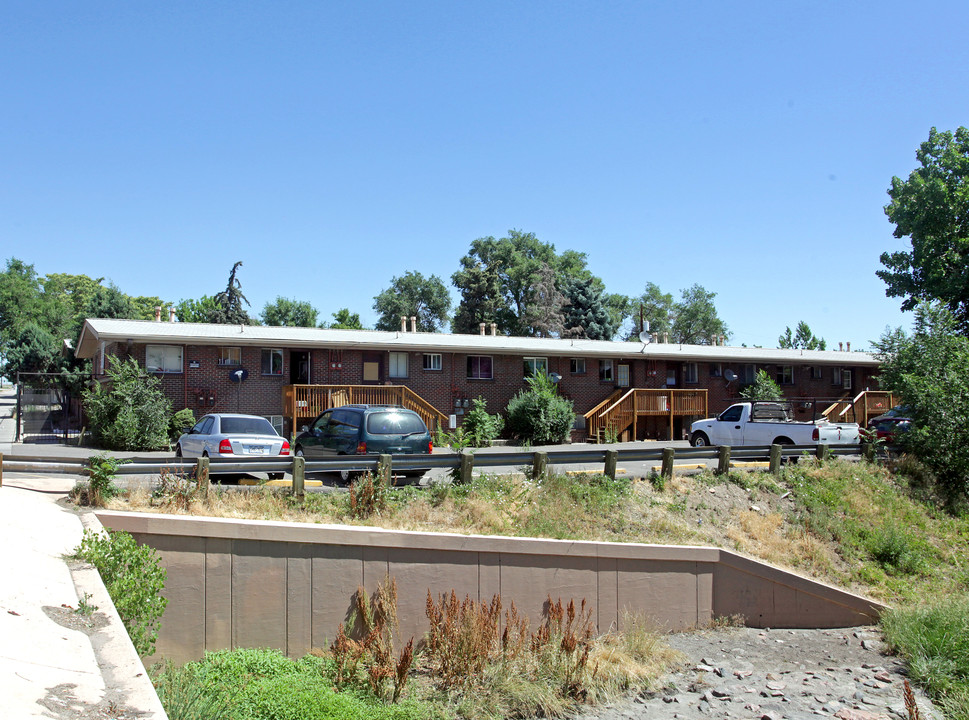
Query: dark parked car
[(889, 425), (364, 430)]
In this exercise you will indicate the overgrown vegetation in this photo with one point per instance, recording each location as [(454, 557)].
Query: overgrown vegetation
[(935, 641), (539, 415), (763, 388), (100, 486), (477, 663), (128, 411), (134, 580), (182, 419)]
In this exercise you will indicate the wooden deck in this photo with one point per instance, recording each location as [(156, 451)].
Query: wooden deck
[(622, 411), (861, 408), (302, 403)]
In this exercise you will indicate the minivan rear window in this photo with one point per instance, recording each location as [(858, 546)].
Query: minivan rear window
[(394, 423)]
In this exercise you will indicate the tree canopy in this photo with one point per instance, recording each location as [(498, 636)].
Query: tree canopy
[(229, 310), (695, 319), (931, 208), (801, 338), (343, 319), (589, 312), (412, 294), (929, 371), (292, 313)]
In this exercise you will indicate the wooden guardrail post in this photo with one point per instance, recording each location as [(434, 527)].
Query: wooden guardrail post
[(821, 452), (723, 464), (612, 459), (384, 469), (299, 477), (539, 465), (202, 474), (867, 451), (467, 466), (667, 470), (775, 459)]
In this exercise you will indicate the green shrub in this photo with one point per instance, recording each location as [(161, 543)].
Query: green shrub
[(102, 469), (894, 549), (763, 388), (480, 428), (184, 418), (935, 642), (129, 411), (539, 415), (134, 580)]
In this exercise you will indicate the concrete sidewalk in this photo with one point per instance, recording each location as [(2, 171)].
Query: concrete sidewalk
[(55, 661)]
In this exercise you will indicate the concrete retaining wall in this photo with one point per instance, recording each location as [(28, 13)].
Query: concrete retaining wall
[(244, 583)]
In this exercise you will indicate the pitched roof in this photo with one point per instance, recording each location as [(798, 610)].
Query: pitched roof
[(97, 330)]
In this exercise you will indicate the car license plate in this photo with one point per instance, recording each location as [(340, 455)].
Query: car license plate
[(257, 449)]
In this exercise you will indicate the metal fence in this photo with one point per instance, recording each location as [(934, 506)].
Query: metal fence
[(46, 411), (462, 464)]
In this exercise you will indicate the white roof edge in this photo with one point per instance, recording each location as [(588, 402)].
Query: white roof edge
[(97, 330)]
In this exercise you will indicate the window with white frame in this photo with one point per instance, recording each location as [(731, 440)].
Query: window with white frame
[(690, 373), (276, 421), (163, 358), (622, 375), (230, 356), (432, 361), (785, 374), (577, 366), (605, 371), (397, 365), (815, 372), (272, 361), (480, 367), (846, 379), (535, 366)]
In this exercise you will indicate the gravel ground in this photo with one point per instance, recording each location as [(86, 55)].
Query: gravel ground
[(776, 674)]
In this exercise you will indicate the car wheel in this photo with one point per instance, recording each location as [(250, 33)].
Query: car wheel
[(275, 476), (299, 451), (178, 450), (782, 441), (700, 440), (347, 475)]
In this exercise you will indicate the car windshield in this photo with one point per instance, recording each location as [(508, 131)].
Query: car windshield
[(246, 426), (395, 423)]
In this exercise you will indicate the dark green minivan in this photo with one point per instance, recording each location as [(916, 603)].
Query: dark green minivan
[(364, 430)]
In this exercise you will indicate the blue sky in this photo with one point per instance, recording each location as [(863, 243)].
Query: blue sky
[(745, 146)]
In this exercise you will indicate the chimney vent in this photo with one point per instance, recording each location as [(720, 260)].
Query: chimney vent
[(171, 314), (849, 347), (413, 323), (666, 338), (481, 328), (841, 347), (403, 323), (494, 329), (158, 313)]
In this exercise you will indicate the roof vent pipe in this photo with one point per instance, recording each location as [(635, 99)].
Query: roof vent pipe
[(171, 314), (494, 329), (849, 347), (413, 323), (403, 323), (666, 338), (158, 313), (481, 328), (841, 347)]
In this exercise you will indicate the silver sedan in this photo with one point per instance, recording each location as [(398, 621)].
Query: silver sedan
[(222, 434)]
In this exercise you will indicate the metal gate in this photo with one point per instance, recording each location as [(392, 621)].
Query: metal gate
[(46, 412)]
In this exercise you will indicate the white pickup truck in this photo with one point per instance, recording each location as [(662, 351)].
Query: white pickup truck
[(768, 423)]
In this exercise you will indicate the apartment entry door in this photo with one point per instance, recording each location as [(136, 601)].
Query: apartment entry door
[(373, 368), (299, 367)]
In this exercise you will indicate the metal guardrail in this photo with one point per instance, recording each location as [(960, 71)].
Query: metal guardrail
[(463, 461)]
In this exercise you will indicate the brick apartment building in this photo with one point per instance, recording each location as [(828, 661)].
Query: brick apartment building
[(196, 364)]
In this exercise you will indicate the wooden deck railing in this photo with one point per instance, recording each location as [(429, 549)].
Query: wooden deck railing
[(861, 408), (305, 402), (619, 413)]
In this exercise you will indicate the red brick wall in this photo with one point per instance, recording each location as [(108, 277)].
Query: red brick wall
[(202, 376)]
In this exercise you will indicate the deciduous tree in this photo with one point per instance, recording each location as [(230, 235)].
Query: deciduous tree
[(412, 294), (291, 313), (696, 321), (931, 208), (343, 319)]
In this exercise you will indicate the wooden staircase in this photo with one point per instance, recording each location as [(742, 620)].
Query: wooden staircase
[(302, 403), (619, 414)]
